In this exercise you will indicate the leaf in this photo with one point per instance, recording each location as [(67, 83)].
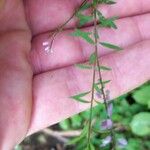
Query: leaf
[(85, 6), (77, 139), (84, 35), (93, 58), (134, 144), (142, 96), (110, 24), (83, 66), (83, 19), (99, 83), (104, 22), (65, 125), (110, 2), (95, 2), (103, 82), (90, 147), (111, 46), (97, 88), (100, 131), (103, 68), (140, 124), (79, 97), (76, 121)]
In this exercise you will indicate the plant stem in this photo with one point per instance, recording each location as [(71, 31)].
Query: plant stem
[(91, 106), (63, 25), (100, 77)]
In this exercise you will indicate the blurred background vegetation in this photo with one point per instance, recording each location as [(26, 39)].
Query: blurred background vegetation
[(131, 117)]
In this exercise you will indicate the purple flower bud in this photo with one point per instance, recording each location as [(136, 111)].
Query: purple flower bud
[(107, 95), (106, 141), (106, 124), (110, 109), (99, 94), (122, 142)]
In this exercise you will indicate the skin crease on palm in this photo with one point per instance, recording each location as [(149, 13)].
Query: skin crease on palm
[(35, 86)]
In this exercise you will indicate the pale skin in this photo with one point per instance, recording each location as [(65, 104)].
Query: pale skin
[(35, 86)]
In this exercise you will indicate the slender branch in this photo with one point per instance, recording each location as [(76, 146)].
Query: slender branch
[(92, 98), (101, 79), (91, 106), (56, 135), (70, 133), (63, 25)]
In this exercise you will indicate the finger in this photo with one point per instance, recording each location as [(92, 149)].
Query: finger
[(10, 13), (46, 15), (52, 90), (68, 50), (15, 89)]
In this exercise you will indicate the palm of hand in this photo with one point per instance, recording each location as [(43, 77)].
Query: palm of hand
[(37, 94)]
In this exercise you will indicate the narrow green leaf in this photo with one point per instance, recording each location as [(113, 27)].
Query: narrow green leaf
[(110, 2), (80, 96), (83, 19), (92, 58), (101, 131), (90, 147), (104, 22), (103, 68), (96, 85), (97, 88), (84, 35), (85, 6), (103, 82), (95, 2), (78, 139), (111, 46), (83, 66)]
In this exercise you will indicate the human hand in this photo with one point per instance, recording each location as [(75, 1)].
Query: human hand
[(55, 79)]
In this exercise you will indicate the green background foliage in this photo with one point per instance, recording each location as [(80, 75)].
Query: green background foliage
[(131, 118)]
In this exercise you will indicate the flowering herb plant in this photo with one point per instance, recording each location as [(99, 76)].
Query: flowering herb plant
[(98, 90)]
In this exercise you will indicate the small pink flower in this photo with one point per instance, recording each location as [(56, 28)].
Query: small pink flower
[(106, 141), (106, 124), (99, 94), (122, 142), (110, 109)]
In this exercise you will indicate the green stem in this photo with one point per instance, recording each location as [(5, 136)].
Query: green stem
[(101, 79), (91, 106), (92, 98)]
